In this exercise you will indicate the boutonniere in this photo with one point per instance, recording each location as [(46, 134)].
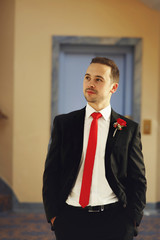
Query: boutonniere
[(119, 125)]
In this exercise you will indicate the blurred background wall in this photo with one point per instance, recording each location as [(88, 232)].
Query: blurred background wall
[(26, 30)]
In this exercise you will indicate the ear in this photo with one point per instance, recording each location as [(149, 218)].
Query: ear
[(114, 87)]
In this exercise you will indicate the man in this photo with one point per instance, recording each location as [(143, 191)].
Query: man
[(94, 179)]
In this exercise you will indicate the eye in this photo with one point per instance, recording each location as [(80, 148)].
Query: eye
[(98, 80), (87, 78)]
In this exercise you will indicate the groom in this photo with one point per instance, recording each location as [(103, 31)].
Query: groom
[(94, 181)]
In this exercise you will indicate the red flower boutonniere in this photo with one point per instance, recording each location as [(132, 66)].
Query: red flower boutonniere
[(119, 125)]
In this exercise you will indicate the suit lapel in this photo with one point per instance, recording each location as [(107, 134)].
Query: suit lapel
[(111, 139), (77, 132)]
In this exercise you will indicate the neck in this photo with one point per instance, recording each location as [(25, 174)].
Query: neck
[(98, 107)]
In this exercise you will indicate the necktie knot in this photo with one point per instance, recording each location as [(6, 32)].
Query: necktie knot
[(96, 115)]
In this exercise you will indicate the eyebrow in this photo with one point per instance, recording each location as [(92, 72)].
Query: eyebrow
[(87, 74)]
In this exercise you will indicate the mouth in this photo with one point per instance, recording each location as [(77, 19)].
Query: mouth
[(89, 91)]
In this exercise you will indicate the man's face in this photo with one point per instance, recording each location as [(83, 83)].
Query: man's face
[(98, 85)]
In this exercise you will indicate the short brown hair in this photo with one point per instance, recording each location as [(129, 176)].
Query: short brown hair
[(110, 63)]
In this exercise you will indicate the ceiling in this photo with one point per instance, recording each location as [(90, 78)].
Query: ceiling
[(155, 4)]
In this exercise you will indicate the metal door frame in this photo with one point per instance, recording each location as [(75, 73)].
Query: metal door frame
[(59, 41)]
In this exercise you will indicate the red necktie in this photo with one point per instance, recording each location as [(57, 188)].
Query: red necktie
[(89, 161)]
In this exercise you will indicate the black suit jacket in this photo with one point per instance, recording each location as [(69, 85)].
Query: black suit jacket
[(124, 164)]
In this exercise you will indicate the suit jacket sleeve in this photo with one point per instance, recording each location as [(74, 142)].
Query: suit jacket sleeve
[(136, 179), (51, 174)]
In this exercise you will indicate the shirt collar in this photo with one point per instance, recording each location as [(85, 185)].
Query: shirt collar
[(106, 112)]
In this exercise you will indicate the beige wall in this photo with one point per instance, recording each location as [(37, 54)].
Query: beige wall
[(36, 21), (6, 88), (158, 141)]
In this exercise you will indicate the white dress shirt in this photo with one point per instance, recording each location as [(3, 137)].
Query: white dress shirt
[(100, 193)]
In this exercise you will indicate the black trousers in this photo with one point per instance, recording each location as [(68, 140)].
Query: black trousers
[(78, 224)]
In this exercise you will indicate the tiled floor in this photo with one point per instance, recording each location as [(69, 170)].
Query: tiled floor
[(31, 226)]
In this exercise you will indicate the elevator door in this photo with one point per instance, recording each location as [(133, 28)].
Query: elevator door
[(74, 62)]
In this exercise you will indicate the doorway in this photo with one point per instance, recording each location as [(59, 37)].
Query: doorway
[(71, 57), (74, 61)]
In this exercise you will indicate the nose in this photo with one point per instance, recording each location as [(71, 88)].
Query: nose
[(91, 84)]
